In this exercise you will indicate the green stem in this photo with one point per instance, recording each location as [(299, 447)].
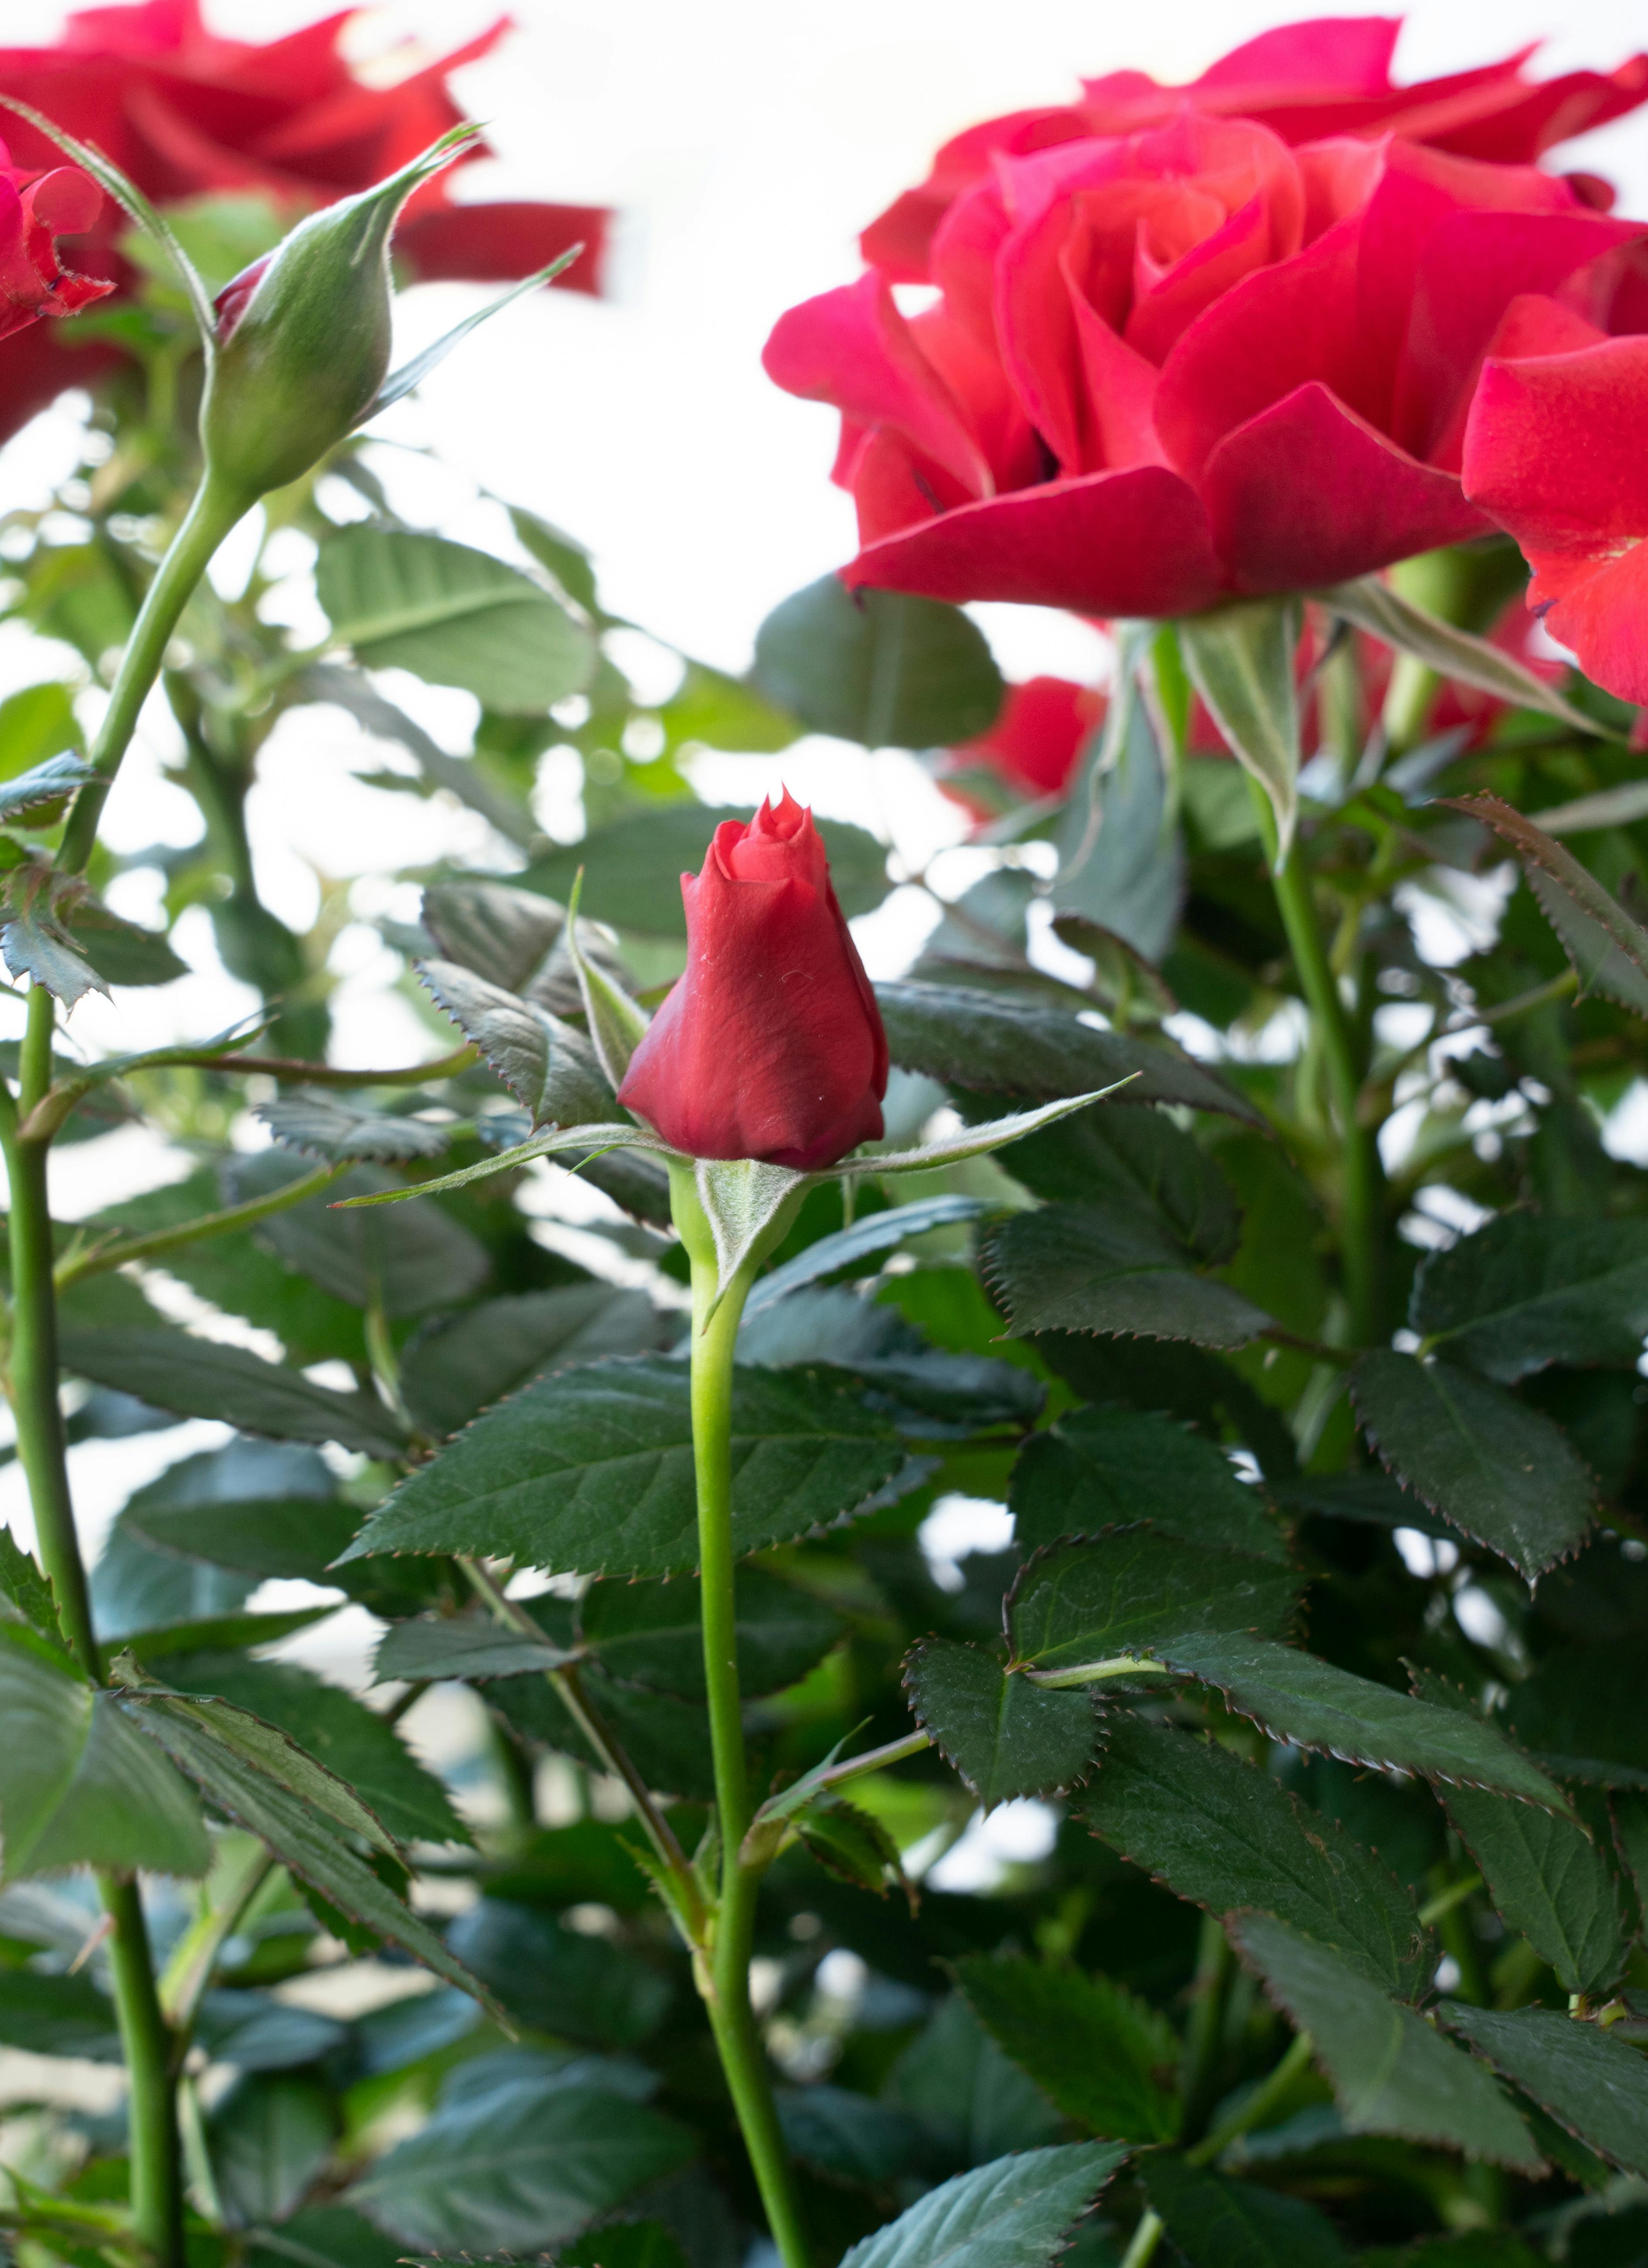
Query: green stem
[(152, 2147), (116, 1253), (1258, 2106), (1214, 1964), (1146, 2237), (723, 1978), (209, 518), (1362, 1237)]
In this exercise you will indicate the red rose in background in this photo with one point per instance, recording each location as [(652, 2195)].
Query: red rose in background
[(1168, 367), (34, 211), (770, 1045), (1557, 451), (1305, 82), (185, 113), (1033, 744)]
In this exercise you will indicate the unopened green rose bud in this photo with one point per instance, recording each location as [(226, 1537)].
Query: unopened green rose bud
[(302, 337)]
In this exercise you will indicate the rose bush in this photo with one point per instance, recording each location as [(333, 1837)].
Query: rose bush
[(186, 114), (1328, 77), (1171, 366), (770, 1045)]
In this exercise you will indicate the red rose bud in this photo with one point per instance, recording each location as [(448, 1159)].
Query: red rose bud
[(32, 215), (771, 1044), (302, 337)]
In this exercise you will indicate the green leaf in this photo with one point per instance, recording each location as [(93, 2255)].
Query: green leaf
[(624, 2244), (651, 1633), (1099, 2054), (51, 782), (878, 667), (204, 1378), (519, 2166), (461, 1645), (255, 2032), (412, 374), (1580, 1711), (1545, 1876), (322, 2236), (458, 1364), (1004, 1736), (1502, 1473), (712, 709), (1076, 1608), (1377, 607), (1607, 949), (61, 2015), (22, 1582), (216, 1634), (559, 1979), (514, 939), (294, 1537), (875, 1232), (422, 1259), (1315, 1705), (37, 724), (1120, 862), (1217, 2223), (548, 1066), (851, 2136), (565, 557), (1529, 1289), (78, 1785), (332, 1726), (975, 1142), (850, 1845), (334, 1127), (36, 944), (1095, 1469), (1011, 2213), (120, 951), (452, 616), (749, 1206), (633, 866), (225, 1759), (1589, 2082), (994, 1045), (1226, 1834), (353, 692), (1391, 2073), (592, 1470), (1080, 1268), (1136, 1160), (1242, 659), (269, 2139)]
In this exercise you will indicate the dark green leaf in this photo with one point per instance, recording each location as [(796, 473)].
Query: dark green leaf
[(976, 2102), (1590, 2083), (36, 945), (269, 2139), (663, 1737), (294, 1537), (1136, 1161), (1081, 1268), (457, 1365), (850, 1844), (1608, 951), (47, 782), (1545, 1876), (592, 1470), (1005, 1736), (876, 1232), (514, 939), (1216, 2223), (255, 2032), (1498, 1470), (204, 1378), (57, 2015), (416, 1258), (22, 1582), (851, 2136), (1096, 1467), (1120, 861), (120, 952), (322, 2236), (307, 1840), (560, 1980), (878, 667), (1580, 1711), (1226, 1834), (1527, 1290), (548, 1066), (633, 867), (338, 1731), (452, 615), (1078, 1605), (994, 1045), (1011, 2213), (336, 1127), (520, 2167), (1099, 2054), (1315, 1705), (651, 1633), (1391, 2073), (461, 1645), (219, 1633)]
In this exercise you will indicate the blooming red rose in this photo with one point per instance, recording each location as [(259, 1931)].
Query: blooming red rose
[(771, 1045), (1035, 742), (1171, 367), (34, 211), (1555, 450), (1305, 82), (185, 113)]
